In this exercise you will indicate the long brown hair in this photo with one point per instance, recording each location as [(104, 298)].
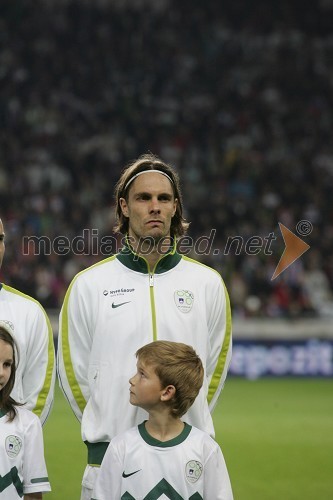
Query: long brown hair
[(149, 161), (7, 403)]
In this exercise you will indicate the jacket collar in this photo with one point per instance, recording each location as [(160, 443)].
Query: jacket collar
[(135, 262)]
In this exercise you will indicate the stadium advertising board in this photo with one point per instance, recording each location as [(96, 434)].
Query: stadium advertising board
[(302, 358)]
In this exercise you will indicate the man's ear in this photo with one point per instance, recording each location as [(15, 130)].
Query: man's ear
[(123, 206), (175, 206), (168, 393)]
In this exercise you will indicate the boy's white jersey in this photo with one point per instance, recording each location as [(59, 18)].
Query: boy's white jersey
[(137, 466), (31, 329), (22, 464), (114, 308)]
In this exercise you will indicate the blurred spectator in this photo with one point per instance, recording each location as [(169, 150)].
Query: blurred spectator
[(317, 287)]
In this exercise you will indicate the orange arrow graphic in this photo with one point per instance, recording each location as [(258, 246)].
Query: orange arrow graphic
[(295, 247)]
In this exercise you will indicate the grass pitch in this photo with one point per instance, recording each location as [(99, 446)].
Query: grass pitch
[(65, 453), (276, 436)]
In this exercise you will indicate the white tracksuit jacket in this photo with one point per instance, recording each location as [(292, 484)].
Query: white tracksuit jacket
[(35, 374), (115, 307)]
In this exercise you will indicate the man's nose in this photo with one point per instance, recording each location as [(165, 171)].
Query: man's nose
[(155, 205)]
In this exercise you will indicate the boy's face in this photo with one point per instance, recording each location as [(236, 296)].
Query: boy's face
[(145, 390)]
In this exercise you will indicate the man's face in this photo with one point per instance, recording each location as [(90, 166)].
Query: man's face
[(150, 207), (2, 242)]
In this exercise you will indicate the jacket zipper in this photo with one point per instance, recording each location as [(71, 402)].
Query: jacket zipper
[(152, 305)]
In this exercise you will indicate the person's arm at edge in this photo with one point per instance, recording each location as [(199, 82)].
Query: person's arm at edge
[(220, 336), (216, 477), (35, 476), (40, 370), (108, 484), (74, 346)]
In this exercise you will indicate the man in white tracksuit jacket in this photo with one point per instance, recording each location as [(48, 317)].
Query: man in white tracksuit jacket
[(147, 291)]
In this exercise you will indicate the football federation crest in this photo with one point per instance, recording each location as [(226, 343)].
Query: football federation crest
[(193, 471), (13, 446), (184, 300)]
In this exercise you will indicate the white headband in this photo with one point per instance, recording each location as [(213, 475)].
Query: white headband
[(145, 172)]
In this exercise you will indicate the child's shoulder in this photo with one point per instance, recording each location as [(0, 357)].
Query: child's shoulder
[(203, 437), (25, 422), (26, 416), (124, 436)]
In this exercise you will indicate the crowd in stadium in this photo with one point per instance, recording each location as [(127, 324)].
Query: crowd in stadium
[(237, 97)]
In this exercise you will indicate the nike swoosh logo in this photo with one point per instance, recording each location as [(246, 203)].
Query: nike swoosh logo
[(131, 473), (118, 305)]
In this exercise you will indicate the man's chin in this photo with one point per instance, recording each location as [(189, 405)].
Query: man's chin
[(157, 239)]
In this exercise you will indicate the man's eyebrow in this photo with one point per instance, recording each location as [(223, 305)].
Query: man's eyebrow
[(148, 193)]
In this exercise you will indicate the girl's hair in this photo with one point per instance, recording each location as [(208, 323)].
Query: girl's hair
[(145, 162), (7, 403), (175, 364)]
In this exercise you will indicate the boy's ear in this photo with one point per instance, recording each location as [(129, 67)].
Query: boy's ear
[(168, 393)]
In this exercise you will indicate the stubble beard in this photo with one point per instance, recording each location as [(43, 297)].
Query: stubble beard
[(154, 244)]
